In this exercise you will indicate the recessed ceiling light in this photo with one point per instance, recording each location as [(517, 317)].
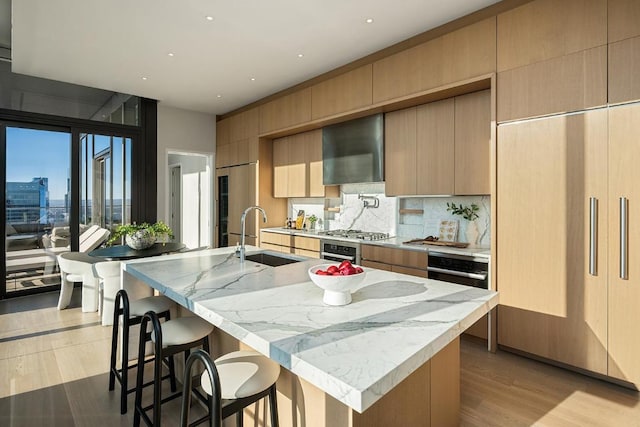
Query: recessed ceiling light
[(144, 78), (209, 18), (218, 96), (300, 55), (170, 54), (253, 79), (369, 20)]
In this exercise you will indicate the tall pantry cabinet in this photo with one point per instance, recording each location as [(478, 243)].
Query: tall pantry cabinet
[(566, 293), (624, 243)]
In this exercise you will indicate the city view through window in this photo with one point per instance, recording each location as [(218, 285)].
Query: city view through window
[(38, 199)]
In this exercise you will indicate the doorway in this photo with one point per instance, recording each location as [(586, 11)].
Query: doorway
[(189, 198), (175, 202), (37, 206)]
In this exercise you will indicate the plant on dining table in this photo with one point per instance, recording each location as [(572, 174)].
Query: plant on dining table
[(141, 236)]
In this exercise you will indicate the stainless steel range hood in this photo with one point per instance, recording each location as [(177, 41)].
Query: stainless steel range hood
[(353, 151)]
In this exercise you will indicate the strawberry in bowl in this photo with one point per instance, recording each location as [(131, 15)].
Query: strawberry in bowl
[(337, 280)]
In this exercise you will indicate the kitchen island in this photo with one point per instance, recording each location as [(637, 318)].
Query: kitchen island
[(364, 364)]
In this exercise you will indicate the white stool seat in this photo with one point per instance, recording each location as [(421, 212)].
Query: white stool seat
[(243, 373), (183, 330), (157, 304)]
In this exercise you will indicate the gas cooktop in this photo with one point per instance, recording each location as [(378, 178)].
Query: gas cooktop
[(355, 234)]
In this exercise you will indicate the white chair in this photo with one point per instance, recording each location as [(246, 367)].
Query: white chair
[(78, 267)]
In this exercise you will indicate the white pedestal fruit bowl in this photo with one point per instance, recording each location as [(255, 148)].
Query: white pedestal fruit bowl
[(337, 289)]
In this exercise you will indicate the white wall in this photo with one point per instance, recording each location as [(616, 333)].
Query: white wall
[(195, 209), (186, 132)]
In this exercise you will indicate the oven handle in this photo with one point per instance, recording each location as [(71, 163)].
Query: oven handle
[(457, 273), (349, 258)]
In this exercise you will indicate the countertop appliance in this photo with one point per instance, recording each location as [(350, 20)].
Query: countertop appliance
[(461, 269)]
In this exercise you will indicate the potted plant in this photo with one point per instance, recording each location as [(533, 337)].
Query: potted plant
[(470, 214), (141, 236), (312, 222)]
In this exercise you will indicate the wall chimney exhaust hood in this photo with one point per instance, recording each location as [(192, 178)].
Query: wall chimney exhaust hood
[(353, 151)]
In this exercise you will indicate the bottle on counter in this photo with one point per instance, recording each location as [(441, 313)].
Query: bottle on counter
[(287, 223)]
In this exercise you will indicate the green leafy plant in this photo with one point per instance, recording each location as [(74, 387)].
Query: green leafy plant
[(466, 212), (312, 219), (158, 229)]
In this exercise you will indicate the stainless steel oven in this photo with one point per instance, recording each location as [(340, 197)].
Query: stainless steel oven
[(339, 250), (461, 269)]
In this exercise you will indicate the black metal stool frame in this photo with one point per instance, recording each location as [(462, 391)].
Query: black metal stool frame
[(218, 410), (140, 412), (123, 374)]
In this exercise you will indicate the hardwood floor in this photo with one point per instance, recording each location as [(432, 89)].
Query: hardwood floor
[(53, 372)]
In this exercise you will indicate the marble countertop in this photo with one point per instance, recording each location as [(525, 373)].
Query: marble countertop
[(393, 242), (356, 353)]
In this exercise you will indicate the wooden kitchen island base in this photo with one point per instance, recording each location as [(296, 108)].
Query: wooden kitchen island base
[(428, 397)]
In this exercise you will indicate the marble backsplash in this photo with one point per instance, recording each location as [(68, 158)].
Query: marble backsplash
[(349, 212), (435, 210)]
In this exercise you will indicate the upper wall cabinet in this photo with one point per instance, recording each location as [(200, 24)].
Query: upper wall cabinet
[(237, 139), (552, 58), (286, 111), (545, 29), (297, 166), (459, 55), (624, 50), (563, 84), (439, 148), (245, 125), (624, 19), (624, 70), (473, 143), (346, 92)]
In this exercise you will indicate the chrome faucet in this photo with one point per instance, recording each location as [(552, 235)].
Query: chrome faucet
[(243, 221)]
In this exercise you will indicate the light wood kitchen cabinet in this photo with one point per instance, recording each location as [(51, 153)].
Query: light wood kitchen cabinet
[(472, 143), (419, 150), (291, 244), (435, 147), (623, 17), (297, 163), (286, 111), (244, 125), (281, 167), (242, 194), (544, 29), (400, 152), (402, 261), (237, 139), (564, 84), (624, 70), (440, 147), (456, 56), (550, 305), (624, 286), (552, 58), (346, 92), (297, 176)]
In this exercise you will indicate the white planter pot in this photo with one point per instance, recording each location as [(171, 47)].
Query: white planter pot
[(141, 239)]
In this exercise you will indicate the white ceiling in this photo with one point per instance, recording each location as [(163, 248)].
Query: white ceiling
[(113, 44)]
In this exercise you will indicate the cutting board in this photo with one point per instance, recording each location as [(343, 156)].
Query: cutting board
[(436, 243)]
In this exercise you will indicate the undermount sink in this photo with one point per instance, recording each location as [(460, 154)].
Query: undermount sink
[(271, 259)]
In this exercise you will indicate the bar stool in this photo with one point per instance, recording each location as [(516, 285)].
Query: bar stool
[(169, 338), (131, 313), (240, 377)]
